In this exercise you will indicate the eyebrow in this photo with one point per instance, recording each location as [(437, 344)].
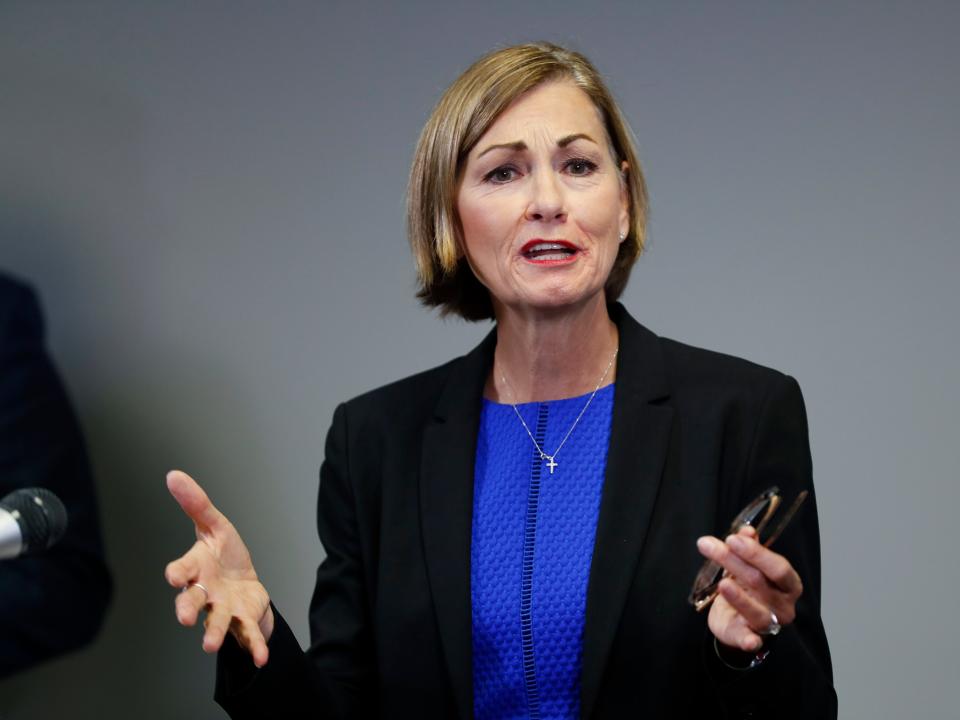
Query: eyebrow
[(520, 145)]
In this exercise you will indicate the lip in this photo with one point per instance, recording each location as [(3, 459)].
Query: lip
[(572, 257), (536, 241)]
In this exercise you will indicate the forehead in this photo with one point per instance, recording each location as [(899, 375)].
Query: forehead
[(557, 108)]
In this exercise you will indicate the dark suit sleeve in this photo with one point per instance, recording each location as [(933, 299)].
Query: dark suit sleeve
[(796, 679), (333, 678), (55, 601)]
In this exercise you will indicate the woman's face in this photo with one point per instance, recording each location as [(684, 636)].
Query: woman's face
[(542, 202)]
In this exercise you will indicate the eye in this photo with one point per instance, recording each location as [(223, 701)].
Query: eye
[(501, 175), (580, 166)]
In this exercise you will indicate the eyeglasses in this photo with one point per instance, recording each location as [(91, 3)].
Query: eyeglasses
[(758, 515)]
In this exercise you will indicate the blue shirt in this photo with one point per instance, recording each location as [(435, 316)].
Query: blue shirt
[(532, 543)]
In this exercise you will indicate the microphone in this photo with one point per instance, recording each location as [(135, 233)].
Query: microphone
[(31, 520)]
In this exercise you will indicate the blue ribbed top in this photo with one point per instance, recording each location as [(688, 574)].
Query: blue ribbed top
[(532, 543)]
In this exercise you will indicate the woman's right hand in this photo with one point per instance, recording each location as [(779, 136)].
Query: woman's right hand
[(219, 561)]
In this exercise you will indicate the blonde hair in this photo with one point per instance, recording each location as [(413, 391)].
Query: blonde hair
[(464, 113)]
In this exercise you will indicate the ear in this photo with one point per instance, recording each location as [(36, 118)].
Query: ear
[(624, 219)]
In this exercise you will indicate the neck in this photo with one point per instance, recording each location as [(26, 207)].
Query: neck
[(553, 354)]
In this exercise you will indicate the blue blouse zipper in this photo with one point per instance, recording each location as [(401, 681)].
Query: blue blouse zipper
[(526, 578)]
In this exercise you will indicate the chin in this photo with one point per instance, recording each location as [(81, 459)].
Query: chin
[(560, 298)]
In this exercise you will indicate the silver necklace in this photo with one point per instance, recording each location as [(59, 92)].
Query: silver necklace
[(551, 459)]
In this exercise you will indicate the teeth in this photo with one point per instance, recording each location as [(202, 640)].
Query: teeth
[(542, 247), (539, 247), (553, 256)]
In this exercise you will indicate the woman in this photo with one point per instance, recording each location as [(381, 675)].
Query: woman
[(512, 534)]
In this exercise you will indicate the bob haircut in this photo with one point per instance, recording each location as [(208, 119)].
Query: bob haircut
[(463, 114)]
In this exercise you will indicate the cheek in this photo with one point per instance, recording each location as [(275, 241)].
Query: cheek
[(471, 219), (485, 224), (600, 217), (477, 244), (473, 230)]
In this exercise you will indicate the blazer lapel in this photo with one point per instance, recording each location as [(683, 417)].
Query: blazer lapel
[(446, 511), (639, 436)]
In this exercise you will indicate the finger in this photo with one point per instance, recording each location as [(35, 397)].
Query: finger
[(721, 554), (742, 637), (249, 636), (194, 501), (188, 605), (775, 567), (216, 624), (729, 627), (183, 570), (756, 615)]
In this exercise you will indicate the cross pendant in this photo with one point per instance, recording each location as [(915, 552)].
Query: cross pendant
[(552, 464)]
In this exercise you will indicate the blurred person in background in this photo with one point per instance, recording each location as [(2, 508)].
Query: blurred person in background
[(52, 600)]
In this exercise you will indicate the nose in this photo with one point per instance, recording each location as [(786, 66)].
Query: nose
[(546, 200)]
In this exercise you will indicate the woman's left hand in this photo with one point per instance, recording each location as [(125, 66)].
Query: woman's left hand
[(759, 584)]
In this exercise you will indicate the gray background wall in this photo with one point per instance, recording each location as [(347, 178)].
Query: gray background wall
[(209, 197)]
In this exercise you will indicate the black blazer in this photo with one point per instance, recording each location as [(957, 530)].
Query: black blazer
[(695, 435), (54, 601)]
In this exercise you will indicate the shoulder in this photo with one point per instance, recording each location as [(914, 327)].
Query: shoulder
[(405, 403), (20, 315), (728, 384), (716, 387), (688, 364), (419, 387), (698, 378), (448, 390), (14, 292)]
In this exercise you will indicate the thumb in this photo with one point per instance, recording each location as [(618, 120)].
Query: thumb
[(194, 501)]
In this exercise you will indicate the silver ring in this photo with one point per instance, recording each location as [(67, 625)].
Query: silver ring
[(206, 593), (774, 627)]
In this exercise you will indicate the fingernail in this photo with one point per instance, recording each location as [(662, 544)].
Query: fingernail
[(706, 544), (736, 542)]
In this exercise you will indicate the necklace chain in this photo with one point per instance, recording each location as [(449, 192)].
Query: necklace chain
[(552, 463)]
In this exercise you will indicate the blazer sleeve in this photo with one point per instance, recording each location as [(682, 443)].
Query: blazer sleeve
[(333, 678), (796, 678), (55, 601)]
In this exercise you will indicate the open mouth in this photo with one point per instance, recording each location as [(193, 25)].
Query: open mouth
[(549, 251)]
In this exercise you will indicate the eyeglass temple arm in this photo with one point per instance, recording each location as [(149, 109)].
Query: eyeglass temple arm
[(785, 519)]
